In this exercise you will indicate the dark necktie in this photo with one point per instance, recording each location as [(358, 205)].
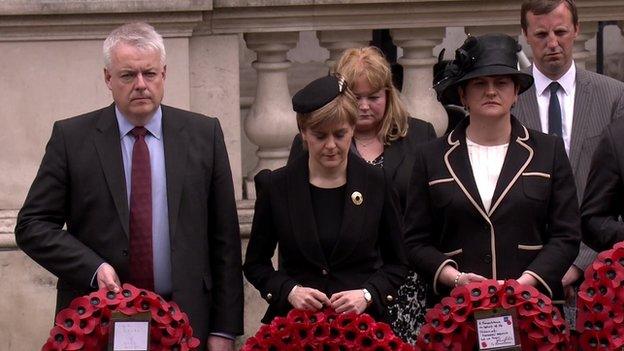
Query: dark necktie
[(141, 263), (554, 111)]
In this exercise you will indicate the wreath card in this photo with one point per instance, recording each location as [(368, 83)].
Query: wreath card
[(129, 333), (497, 329)]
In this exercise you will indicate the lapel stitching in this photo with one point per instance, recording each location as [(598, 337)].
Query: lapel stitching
[(456, 144)]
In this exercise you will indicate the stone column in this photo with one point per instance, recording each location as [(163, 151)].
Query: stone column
[(417, 62), (215, 91), (336, 41), (581, 54), (271, 122)]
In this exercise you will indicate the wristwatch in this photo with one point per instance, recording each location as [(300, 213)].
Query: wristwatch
[(367, 296)]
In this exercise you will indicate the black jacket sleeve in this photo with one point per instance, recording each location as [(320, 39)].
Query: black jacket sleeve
[(604, 197)]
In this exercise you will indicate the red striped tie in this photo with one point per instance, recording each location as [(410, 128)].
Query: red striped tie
[(141, 263)]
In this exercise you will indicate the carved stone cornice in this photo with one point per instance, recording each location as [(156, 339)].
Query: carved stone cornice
[(92, 26), (65, 7), (245, 16), (75, 19)]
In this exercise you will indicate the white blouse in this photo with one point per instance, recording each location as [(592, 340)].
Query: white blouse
[(486, 163)]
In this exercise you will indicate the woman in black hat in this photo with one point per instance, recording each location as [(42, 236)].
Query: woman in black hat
[(335, 218), (493, 199)]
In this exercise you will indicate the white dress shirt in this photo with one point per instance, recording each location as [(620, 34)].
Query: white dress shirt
[(486, 163), (566, 100)]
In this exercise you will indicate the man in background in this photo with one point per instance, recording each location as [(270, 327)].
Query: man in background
[(566, 100)]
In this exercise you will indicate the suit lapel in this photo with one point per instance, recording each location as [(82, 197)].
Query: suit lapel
[(352, 226), (458, 164), (582, 107), (175, 144), (393, 156), (301, 212), (528, 110), (108, 146), (518, 157)]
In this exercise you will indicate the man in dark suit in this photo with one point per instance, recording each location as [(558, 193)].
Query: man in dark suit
[(566, 100), (146, 194), (603, 204)]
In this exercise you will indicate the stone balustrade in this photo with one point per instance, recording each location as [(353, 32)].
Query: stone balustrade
[(51, 68)]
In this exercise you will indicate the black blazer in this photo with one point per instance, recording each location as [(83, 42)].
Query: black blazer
[(398, 156), (81, 183), (368, 253), (603, 203), (532, 226)]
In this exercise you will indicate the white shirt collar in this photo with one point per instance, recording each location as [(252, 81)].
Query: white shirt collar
[(567, 81)]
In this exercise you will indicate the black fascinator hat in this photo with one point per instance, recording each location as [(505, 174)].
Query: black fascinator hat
[(318, 93), (486, 55)]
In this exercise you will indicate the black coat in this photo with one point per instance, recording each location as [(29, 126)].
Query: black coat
[(368, 253), (603, 203), (398, 155), (533, 225), (81, 183)]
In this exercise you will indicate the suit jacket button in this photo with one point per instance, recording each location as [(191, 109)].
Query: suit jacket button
[(124, 252), (488, 258), (390, 298), (324, 272), (269, 296)]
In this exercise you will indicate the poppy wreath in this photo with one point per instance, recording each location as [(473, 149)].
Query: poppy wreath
[(325, 330), (600, 302), (451, 325), (84, 325)]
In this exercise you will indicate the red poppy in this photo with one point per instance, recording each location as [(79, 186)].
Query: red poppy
[(82, 306), (98, 299), (364, 322), (320, 331), (58, 339), (527, 293), (297, 316), (69, 320), (381, 332), (76, 341)]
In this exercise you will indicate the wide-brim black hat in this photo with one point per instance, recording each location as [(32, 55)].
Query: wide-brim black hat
[(486, 55)]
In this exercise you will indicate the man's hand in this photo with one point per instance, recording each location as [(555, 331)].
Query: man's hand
[(303, 298), (349, 301), (107, 278), (218, 343), (572, 276)]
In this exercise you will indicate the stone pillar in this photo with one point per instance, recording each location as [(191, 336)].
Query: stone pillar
[(417, 62), (336, 41), (271, 122), (215, 91), (581, 54)]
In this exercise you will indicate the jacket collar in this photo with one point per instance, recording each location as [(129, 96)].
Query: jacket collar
[(302, 214), (519, 155)]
